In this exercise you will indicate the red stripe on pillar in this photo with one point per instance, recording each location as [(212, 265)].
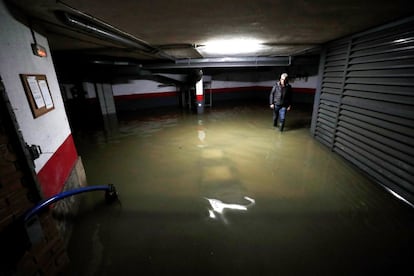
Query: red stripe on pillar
[(200, 98), (55, 172)]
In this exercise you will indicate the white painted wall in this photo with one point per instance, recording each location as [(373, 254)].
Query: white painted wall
[(134, 87), (139, 87), (147, 86), (308, 82), (89, 89), (216, 84), (50, 130), (179, 77)]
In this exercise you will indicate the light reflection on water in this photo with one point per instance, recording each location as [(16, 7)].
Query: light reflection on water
[(309, 205), (218, 207)]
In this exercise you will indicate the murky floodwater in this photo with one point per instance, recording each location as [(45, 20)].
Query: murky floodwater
[(224, 193)]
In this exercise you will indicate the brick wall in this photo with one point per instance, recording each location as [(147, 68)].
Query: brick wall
[(18, 193)]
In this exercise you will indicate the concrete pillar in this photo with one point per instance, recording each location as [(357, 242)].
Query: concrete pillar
[(107, 103), (200, 96), (106, 98)]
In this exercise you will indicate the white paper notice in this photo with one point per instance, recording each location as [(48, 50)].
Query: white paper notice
[(37, 95), (46, 93)]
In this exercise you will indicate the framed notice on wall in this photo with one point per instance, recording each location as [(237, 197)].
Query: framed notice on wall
[(38, 94)]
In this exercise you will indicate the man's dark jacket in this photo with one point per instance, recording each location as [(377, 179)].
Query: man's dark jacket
[(281, 95)]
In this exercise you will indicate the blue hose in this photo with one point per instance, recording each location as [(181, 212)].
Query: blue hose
[(110, 194)]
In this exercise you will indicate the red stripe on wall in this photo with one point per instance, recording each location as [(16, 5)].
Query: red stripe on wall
[(304, 90), (300, 90), (145, 95), (259, 88), (55, 172), (234, 89), (149, 95)]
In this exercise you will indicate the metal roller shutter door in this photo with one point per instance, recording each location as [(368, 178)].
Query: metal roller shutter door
[(364, 108)]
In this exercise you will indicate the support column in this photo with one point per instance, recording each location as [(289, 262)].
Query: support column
[(200, 96), (107, 103)]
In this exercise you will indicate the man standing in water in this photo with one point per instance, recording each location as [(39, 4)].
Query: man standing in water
[(280, 100)]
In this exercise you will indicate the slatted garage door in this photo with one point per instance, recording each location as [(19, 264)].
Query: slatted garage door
[(364, 108)]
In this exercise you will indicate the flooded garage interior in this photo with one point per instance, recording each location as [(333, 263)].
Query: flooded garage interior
[(168, 103), (225, 193)]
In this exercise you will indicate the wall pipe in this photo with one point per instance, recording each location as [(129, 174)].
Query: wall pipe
[(110, 196), (17, 237)]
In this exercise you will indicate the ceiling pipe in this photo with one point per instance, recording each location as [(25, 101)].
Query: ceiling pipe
[(223, 62), (106, 31)]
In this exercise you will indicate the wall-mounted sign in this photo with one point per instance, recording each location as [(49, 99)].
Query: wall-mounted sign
[(38, 93)]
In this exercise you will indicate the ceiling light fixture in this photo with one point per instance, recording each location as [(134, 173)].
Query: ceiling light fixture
[(231, 47)]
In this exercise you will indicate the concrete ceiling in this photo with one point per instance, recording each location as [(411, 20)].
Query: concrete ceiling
[(169, 30)]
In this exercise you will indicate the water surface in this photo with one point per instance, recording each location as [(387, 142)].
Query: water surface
[(225, 193)]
